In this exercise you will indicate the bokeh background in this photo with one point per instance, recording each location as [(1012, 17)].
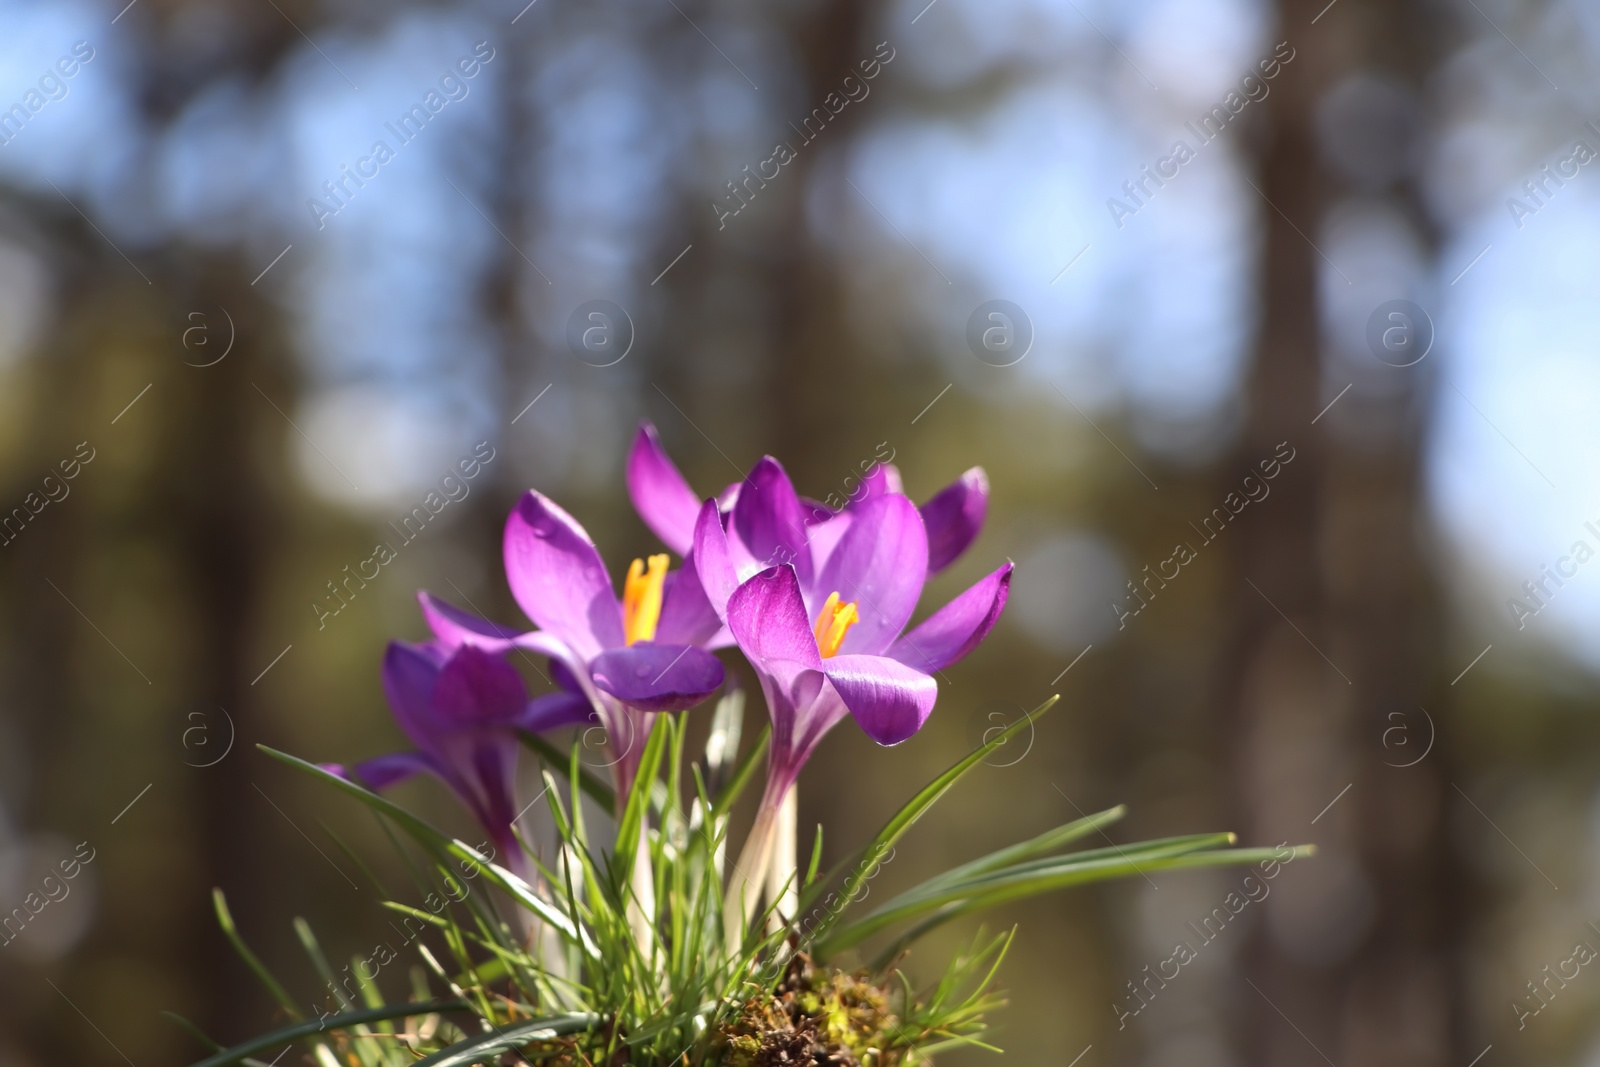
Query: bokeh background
[(250, 389)]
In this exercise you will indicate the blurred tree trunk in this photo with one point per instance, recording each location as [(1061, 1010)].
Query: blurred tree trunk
[(45, 654), (807, 321), (1357, 956), (519, 365), (154, 560), (771, 254), (225, 521)]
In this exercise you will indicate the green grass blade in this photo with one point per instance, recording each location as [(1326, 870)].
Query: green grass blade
[(918, 806), (742, 774), (929, 896), (483, 1048), (816, 858), (441, 842), (946, 888), (308, 941), (672, 816), (332, 1022), (193, 1030), (225, 920), (598, 791), (416, 913), (1005, 891), (580, 832), (633, 813), (355, 857), (1047, 842)]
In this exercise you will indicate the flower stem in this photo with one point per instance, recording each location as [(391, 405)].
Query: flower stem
[(641, 908), (749, 871), (782, 872)]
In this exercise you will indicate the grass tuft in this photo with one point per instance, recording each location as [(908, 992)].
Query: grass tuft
[(612, 952)]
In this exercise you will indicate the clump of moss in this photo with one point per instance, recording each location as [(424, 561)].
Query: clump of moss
[(814, 1017)]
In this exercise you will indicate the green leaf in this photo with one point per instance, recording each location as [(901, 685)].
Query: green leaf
[(308, 941), (416, 913), (332, 1022), (225, 920), (918, 806), (938, 892), (194, 1031), (948, 888), (1046, 842), (816, 858), (632, 820), (598, 791), (672, 820), (580, 832), (355, 857), (484, 1047), (435, 839), (1016, 887)]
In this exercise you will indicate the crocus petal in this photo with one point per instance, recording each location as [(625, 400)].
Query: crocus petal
[(713, 559), (687, 617), (815, 511), (566, 669), (552, 646), (478, 687), (452, 626), (493, 764), (825, 537), (383, 771), (880, 563), (890, 700), (660, 494), (768, 618), (882, 480), (769, 523), (654, 677), (954, 516), (555, 710), (558, 578), (563, 676), (802, 709), (409, 674), (955, 629)]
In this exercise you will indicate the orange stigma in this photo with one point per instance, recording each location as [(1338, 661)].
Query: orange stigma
[(833, 623), (641, 599)]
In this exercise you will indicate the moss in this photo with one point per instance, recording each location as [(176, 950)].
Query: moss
[(815, 1017)]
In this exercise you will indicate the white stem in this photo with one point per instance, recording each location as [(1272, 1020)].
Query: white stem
[(749, 874), (782, 868), (642, 901)]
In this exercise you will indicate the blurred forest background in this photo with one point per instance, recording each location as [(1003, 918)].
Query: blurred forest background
[(263, 386)]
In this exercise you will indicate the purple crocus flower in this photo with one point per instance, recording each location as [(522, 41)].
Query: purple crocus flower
[(825, 629), (462, 709), (666, 503), (827, 636), (619, 658)]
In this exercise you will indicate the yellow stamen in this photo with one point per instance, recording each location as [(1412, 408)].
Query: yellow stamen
[(833, 623), (641, 599)]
